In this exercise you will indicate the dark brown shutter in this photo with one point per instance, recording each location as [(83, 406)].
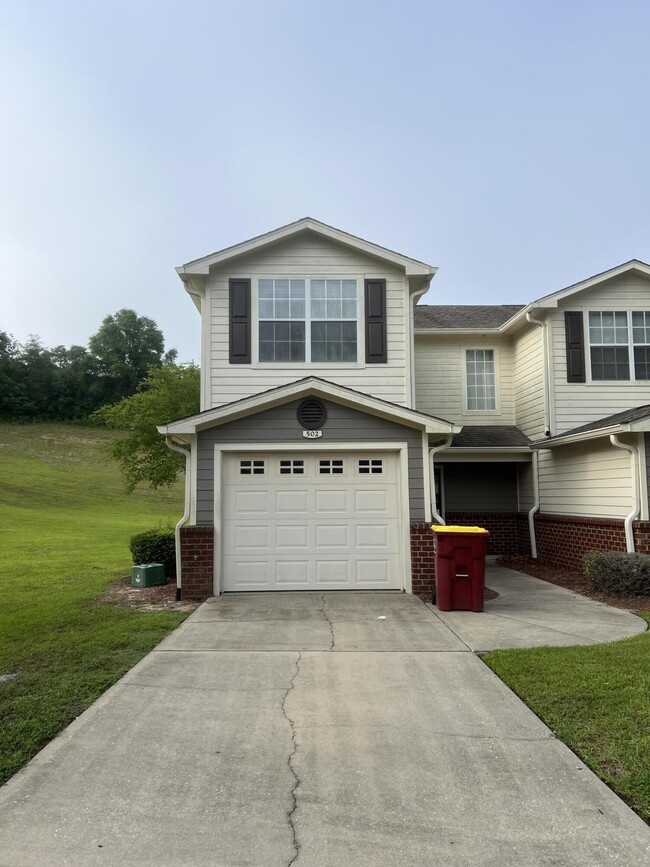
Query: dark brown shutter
[(240, 321), (376, 322), (575, 347)]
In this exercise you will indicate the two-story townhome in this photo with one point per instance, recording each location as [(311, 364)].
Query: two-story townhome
[(339, 417)]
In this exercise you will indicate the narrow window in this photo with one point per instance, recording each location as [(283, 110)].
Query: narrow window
[(330, 467), (281, 313), (481, 380), (251, 468), (372, 466), (641, 341), (292, 468), (608, 345), (333, 320)]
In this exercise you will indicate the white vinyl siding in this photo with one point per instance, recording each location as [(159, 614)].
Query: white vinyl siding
[(586, 479), (308, 257), (440, 378), (576, 404), (528, 359)]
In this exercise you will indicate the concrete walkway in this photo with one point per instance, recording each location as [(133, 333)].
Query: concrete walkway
[(326, 729)]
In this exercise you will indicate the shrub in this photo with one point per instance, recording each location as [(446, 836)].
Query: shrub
[(617, 572), (155, 546)]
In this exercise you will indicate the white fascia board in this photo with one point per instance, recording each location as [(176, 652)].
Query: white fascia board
[(552, 300), (496, 455), (412, 267), (581, 437), (456, 331), (258, 403)]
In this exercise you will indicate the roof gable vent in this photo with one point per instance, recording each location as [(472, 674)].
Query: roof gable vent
[(312, 414)]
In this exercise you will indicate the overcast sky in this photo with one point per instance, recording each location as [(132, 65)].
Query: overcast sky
[(508, 143)]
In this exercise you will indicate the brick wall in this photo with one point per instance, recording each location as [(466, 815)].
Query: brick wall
[(563, 540), (423, 560), (197, 562), (508, 530)]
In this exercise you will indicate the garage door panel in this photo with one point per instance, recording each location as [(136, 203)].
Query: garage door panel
[(372, 572), (333, 572), (311, 530), (292, 574), (332, 536), (292, 536), (291, 501)]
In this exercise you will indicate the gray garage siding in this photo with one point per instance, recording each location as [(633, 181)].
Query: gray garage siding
[(480, 487), (280, 425)]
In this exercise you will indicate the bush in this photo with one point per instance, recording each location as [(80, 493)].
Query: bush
[(155, 546), (617, 572)]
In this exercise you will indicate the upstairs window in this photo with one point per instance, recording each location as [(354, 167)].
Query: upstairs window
[(619, 345), (307, 320), (481, 380)]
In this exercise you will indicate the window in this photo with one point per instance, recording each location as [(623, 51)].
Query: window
[(251, 468), (374, 466), (612, 334), (292, 468), (481, 380), (307, 320), (327, 467)]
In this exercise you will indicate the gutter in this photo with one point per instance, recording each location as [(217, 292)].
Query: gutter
[(629, 530), (569, 439), (545, 367), (432, 481), (186, 515)]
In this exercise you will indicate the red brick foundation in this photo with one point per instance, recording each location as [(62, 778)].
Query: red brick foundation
[(508, 530), (197, 562), (423, 560), (563, 540)]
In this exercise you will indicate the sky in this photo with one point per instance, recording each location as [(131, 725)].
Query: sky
[(505, 142)]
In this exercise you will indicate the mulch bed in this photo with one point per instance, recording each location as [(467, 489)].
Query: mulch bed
[(575, 581), (159, 598)]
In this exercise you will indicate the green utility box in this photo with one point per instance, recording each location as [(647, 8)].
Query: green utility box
[(148, 575)]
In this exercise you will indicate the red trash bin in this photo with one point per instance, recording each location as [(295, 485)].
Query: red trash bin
[(460, 567)]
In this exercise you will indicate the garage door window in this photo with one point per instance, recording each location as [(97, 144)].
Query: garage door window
[(292, 468), (251, 468), (331, 467), (370, 466)]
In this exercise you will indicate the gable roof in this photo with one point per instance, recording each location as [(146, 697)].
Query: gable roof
[(628, 421), (412, 267), (463, 317), (308, 386)]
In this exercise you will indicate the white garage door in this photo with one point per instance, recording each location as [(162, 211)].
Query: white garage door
[(316, 521)]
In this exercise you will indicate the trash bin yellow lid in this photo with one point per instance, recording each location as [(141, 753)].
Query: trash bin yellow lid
[(454, 528)]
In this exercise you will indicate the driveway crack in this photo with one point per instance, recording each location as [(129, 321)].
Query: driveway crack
[(329, 621), (294, 799)]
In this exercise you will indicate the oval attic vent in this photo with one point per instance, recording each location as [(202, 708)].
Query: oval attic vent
[(312, 414)]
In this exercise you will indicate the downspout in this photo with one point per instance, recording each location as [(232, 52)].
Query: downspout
[(434, 451), (629, 530), (531, 513), (186, 514), (546, 373), (415, 298)]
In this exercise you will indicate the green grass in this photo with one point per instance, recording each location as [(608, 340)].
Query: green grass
[(65, 525), (596, 700)]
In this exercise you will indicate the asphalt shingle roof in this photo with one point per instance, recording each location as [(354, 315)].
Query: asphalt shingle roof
[(489, 436), (464, 315), (635, 414)]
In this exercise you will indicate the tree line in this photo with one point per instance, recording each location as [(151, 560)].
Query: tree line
[(70, 384)]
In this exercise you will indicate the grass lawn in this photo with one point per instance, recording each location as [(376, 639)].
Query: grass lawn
[(65, 525), (596, 700)]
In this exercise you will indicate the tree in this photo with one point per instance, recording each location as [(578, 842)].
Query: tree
[(168, 392), (125, 347)]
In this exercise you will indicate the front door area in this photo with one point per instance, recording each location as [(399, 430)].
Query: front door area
[(311, 520)]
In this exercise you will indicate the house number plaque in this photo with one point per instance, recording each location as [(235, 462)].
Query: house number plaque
[(312, 434)]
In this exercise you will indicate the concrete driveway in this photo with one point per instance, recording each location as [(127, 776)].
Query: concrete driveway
[(335, 729)]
